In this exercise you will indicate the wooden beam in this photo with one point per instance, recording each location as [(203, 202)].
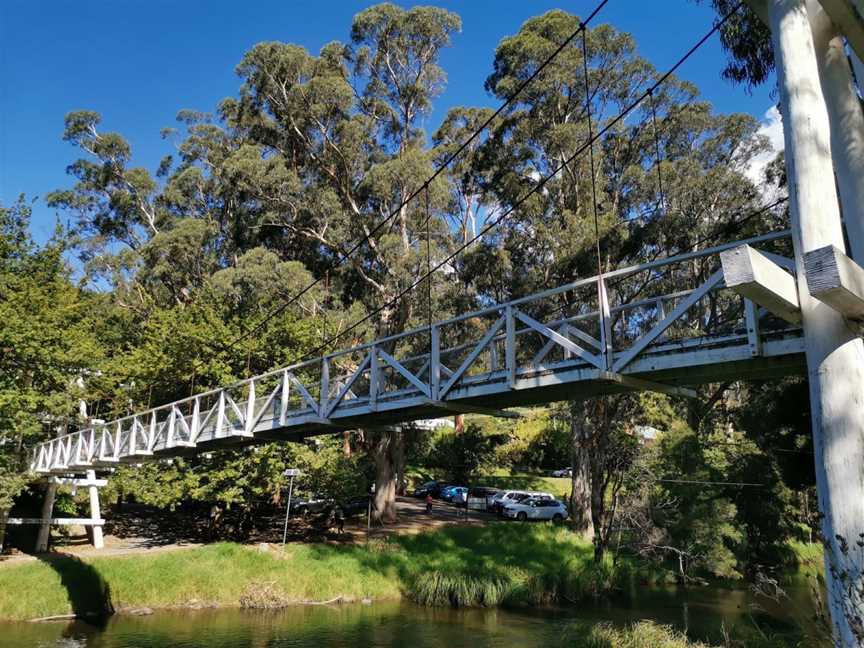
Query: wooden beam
[(848, 15), (79, 481), (57, 521), (836, 280), (647, 385), (459, 408), (753, 275)]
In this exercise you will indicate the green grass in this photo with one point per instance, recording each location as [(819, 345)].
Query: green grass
[(644, 634), (496, 564), (220, 574), (809, 558)]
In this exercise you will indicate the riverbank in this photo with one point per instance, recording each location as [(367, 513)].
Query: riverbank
[(496, 564)]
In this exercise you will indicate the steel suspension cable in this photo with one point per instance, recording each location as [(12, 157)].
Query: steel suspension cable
[(602, 299), (657, 151), (344, 256), (541, 183)]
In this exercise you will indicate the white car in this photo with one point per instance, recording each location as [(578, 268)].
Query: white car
[(564, 472), (535, 508), (506, 498)]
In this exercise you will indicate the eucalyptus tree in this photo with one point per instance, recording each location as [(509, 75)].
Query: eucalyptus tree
[(316, 153), (663, 174), (48, 342)]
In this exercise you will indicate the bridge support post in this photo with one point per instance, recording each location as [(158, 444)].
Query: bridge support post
[(835, 356), (47, 514), (95, 513), (845, 115)]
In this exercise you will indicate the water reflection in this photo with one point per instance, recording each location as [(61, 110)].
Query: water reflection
[(699, 611)]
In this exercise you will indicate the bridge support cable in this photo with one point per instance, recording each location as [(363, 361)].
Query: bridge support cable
[(657, 157), (345, 255), (540, 184), (835, 354)]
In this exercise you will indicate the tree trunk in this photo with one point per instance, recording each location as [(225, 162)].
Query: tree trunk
[(835, 356), (459, 423), (598, 509), (4, 515), (346, 443), (399, 462), (384, 501), (580, 493)]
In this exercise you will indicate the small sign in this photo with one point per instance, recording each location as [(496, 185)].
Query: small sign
[(292, 472)]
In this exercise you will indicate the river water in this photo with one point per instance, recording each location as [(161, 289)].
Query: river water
[(699, 611)]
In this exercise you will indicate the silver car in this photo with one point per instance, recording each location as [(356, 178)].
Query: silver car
[(535, 508)]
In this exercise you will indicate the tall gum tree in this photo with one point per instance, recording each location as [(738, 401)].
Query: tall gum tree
[(310, 157), (552, 239)]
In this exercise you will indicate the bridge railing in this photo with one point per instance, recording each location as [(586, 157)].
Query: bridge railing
[(607, 323)]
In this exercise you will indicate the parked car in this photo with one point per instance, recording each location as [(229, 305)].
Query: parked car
[(454, 493), (535, 508), (563, 472), (503, 498), (497, 502), (478, 497), (313, 504), (432, 488), (351, 507)]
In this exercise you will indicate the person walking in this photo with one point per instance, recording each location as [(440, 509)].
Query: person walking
[(463, 503), (429, 502)]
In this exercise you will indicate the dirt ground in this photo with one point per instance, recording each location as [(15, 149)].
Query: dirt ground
[(136, 535)]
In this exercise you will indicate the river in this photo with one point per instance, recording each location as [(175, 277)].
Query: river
[(699, 611)]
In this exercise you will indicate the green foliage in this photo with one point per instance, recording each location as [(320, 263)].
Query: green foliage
[(747, 40), (242, 478), (48, 342), (462, 455), (702, 524)]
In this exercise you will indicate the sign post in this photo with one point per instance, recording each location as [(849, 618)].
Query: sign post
[(290, 473)]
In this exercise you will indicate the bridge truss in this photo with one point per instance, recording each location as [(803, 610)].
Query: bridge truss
[(661, 325)]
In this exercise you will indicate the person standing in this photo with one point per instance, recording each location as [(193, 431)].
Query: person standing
[(428, 502)]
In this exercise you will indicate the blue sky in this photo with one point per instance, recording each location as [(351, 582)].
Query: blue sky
[(139, 62)]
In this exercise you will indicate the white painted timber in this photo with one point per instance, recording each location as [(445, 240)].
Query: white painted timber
[(848, 15), (835, 279), (846, 118), (835, 357), (530, 350), (48, 522), (756, 277), (95, 512)]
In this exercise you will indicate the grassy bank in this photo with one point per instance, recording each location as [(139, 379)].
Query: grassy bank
[(640, 635), (493, 565)]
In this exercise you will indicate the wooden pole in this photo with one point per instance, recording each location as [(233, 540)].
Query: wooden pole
[(835, 356), (95, 513), (47, 511), (847, 122)]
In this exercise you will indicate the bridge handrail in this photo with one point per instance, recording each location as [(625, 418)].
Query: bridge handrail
[(495, 308)]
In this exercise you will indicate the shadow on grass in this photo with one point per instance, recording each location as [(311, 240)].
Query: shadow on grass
[(89, 594)]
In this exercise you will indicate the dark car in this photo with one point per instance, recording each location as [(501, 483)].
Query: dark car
[(351, 507), (432, 488), (313, 504)]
